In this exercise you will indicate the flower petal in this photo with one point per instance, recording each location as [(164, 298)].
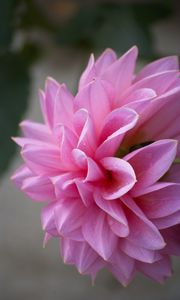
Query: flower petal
[(158, 271), (158, 66), (122, 266), (20, 175), (138, 252), (117, 123), (120, 73), (97, 232), (43, 161), (150, 163), (97, 99), (68, 216), (161, 202), (39, 188), (143, 233), (122, 178), (63, 107), (81, 255)]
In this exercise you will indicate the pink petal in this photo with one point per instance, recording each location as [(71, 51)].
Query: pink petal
[(20, 175), (161, 202), (106, 59), (39, 188), (113, 208), (47, 219), (96, 69), (150, 163), (85, 191), (122, 267), (88, 74), (122, 178), (120, 229), (51, 90), (92, 172), (159, 82), (143, 233), (97, 232), (138, 252), (87, 138), (68, 141), (169, 112), (64, 185), (158, 66), (43, 161), (141, 94), (172, 238), (173, 174), (120, 73), (23, 141), (96, 98), (63, 107), (36, 131), (81, 255), (117, 123), (149, 128), (158, 271), (167, 221), (68, 215)]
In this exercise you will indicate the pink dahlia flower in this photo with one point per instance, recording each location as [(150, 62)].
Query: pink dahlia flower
[(104, 163)]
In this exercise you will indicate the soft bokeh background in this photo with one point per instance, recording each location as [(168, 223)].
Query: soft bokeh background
[(54, 37)]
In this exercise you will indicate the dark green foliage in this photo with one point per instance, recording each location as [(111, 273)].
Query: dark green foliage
[(14, 90)]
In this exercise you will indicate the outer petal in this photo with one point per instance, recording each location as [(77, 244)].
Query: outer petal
[(37, 131), (158, 271), (68, 216), (106, 59), (159, 82), (63, 107), (88, 73), (139, 253), (158, 66), (122, 267), (172, 238), (81, 255), (47, 219), (168, 221), (143, 233), (161, 202), (51, 89), (97, 232), (20, 175), (43, 161), (122, 178), (120, 73), (150, 163), (94, 70), (39, 188)]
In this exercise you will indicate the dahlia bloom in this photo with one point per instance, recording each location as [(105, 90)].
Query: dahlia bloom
[(104, 162)]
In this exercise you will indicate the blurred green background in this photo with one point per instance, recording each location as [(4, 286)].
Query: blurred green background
[(28, 26)]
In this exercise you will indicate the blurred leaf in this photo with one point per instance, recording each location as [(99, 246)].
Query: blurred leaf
[(32, 16), (121, 31), (6, 23), (14, 91), (79, 30), (114, 25)]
